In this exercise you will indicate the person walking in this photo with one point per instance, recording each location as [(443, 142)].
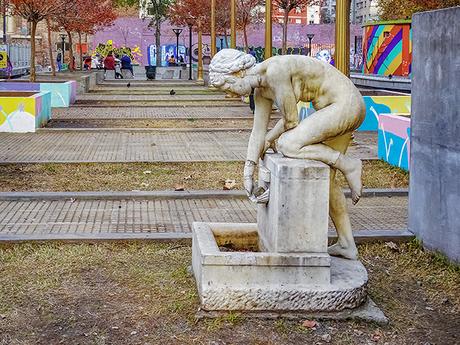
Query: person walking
[(9, 67)]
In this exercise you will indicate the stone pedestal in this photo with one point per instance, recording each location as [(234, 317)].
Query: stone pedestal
[(296, 218)]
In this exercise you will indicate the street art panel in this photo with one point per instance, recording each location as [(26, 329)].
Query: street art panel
[(394, 140), (388, 48), (375, 105), (24, 111), (103, 49)]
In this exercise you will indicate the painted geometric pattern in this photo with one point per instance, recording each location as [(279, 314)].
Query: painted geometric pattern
[(388, 49)]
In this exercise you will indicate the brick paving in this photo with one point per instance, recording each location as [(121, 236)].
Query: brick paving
[(140, 146), (32, 217), (150, 113)]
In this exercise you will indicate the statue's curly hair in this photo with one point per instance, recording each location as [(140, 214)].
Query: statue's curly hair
[(227, 62)]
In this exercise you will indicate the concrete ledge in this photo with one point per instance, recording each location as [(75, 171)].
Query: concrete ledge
[(361, 236), (67, 130), (166, 194), (381, 82)]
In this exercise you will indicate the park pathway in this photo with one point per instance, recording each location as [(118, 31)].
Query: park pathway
[(125, 217), (71, 216)]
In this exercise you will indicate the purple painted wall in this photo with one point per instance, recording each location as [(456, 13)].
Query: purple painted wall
[(132, 31)]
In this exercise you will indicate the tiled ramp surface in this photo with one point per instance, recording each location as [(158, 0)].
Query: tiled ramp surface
[(140, 146), (32, 217)]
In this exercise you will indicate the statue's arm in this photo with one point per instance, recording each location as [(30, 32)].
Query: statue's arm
[(259, 128), (257, 139)]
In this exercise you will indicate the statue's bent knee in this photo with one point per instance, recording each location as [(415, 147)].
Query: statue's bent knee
[(285, 145)]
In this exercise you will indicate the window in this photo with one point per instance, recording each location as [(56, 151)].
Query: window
[(298, 21), (386, 34), (311, 22)]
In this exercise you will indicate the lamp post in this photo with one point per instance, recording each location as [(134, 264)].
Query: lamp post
[(190, 51), (177, 32), (221, 43), (310, 37)]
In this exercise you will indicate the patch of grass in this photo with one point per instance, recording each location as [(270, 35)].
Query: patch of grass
[(129, 293), (157, 176)]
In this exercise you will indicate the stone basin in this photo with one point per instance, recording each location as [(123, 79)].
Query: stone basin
[(248, 279)]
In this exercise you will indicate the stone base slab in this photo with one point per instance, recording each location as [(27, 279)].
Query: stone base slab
[(262, 281), (368, 312)]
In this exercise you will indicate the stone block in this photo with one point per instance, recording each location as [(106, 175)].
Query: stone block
[(297, 214)]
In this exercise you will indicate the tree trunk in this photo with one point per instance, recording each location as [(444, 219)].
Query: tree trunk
[(32, 50), (158, 42), (285, 24), (245, 35), (71, 64), (53, 66), (81, 52)]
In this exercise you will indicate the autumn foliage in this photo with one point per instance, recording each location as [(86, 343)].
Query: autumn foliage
[(287, 6), (402, 9)]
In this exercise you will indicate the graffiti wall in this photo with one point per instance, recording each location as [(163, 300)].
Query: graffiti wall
[(394, 140), (135, 33), (388, 48), (103, 49), (62, 94), (24, 111), (375, 105)]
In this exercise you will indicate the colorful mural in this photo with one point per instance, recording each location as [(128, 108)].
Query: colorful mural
[(394, 140), (375, 105), (103, 50), (388, 48), (24, 113), (63, 94)]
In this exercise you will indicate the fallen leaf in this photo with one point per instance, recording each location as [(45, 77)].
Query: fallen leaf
[(133, 333), (229, 184), (310, 324), (179, 188), (147, 172), (392, 246), (326, 337)]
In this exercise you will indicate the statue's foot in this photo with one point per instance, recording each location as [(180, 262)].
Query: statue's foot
[(352, 169), (347, 253)]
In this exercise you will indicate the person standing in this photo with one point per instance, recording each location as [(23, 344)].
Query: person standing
[(109, 63), (59, 60), (127, 64)]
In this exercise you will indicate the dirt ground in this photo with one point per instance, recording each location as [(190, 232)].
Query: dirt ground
[(158, 123), (156, 176), (142, 293)]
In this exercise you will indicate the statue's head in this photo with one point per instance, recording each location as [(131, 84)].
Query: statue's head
[(228, 69)]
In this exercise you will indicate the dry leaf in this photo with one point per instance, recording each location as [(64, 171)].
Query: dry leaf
[(179, 188), (392, 246), (310, 324), (229, 184)]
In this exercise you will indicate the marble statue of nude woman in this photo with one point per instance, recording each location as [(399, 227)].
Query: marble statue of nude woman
[(323, 136)]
